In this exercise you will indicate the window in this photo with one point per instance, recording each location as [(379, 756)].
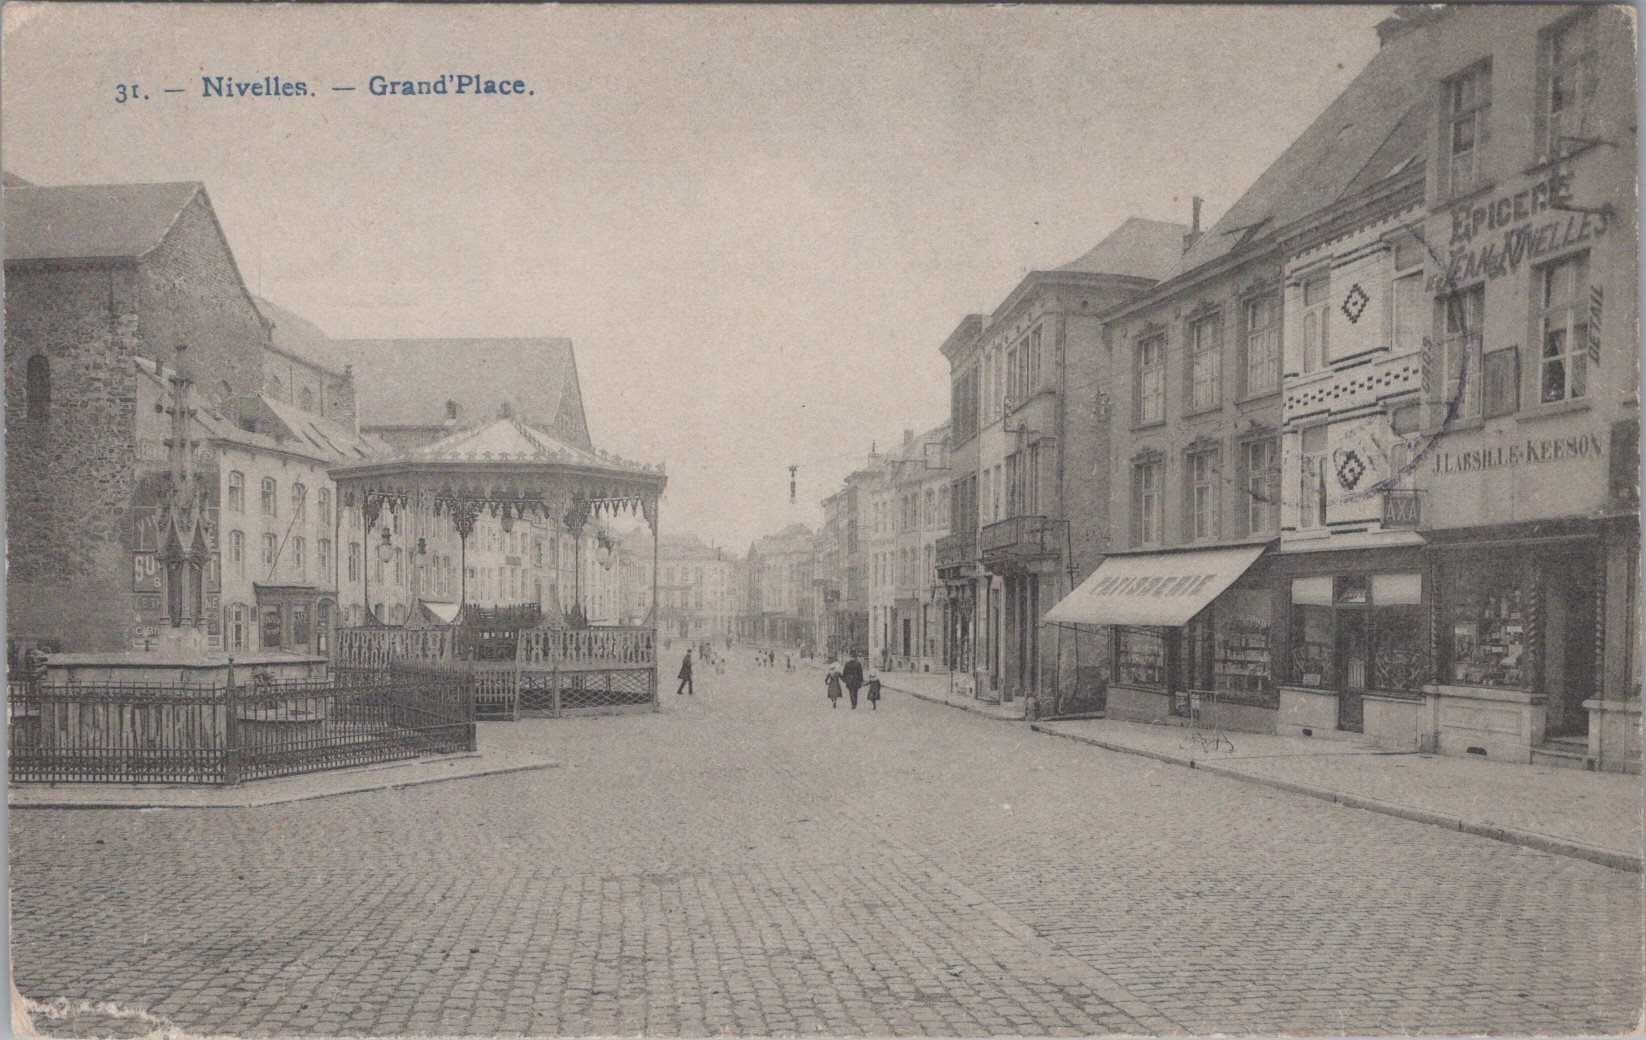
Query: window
[(299, 556), (299, 495), (1262, 345), (37, 389), (322, 556), (235, 624), (269, 549), (1311, 496), (268, 502), (1151, 379), (1467, 100), (237, 491), (237, 552), (1486, 625), (1406, 305), (305, 399), (1262, 486), (1568, 83), (1500, 378), (322, 502), (354, 562), (1563, 369), (1140, 656), (1200, 518), (1317, 310), (1146, 505), (1205, 363), (1462, 316)]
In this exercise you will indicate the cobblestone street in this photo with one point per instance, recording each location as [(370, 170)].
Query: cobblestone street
[(750, 861)]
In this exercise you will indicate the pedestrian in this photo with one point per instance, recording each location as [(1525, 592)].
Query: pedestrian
[(789, 662), (874, 689), (832, 681), (852, 676), (686, 676)]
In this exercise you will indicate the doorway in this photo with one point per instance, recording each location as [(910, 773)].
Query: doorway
[(1569, 642)]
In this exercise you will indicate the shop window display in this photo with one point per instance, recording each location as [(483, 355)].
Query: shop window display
[(1230, 646), (1140, 657), (1486, 624), (1360, 632), (1312, 631)]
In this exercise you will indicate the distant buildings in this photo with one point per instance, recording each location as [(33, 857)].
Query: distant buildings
[(780, 604), (700, 590)]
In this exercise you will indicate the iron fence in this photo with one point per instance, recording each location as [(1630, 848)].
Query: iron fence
[(223, 735)]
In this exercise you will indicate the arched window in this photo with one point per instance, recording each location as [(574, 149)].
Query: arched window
[(298, 494), (237, 491), (268, 502), (322, 501), (37, 389), (305, 399)]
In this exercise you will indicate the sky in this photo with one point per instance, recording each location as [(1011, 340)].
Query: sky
[(756, 224)]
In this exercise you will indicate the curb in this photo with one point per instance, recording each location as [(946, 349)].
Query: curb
[(254, 802), (1508, 835), (948, 703)]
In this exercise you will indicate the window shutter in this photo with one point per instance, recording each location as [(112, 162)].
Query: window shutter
[(1500, 371), (1137, 506)]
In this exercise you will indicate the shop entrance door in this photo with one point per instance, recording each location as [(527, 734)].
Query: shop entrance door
[(1351, 662), (1569, 643)]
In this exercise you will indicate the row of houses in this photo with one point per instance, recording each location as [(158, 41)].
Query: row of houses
[(1359, 458), (170, 438)]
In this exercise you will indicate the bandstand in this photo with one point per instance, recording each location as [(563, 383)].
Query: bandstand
[(524, 659)]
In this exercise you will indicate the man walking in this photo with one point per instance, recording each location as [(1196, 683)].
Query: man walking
[(852, 676), (686, 676)]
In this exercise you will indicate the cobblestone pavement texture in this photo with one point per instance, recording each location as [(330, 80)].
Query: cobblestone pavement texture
[(1603, 810), (751, 861)]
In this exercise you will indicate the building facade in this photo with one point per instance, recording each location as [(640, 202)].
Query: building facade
[(780, 598), (1029, 469), (697, 590)]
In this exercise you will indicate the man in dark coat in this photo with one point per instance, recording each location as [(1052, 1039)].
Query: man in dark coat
[(686, 676), (852, 676)]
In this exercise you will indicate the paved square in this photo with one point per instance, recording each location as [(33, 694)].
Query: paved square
[(750, 861)]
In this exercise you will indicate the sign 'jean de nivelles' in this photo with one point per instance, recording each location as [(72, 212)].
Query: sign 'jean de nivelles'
[(1533, 222)]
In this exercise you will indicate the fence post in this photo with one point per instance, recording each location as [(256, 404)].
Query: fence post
[(554, 682), (231, 731)]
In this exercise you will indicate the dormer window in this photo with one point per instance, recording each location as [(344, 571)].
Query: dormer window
[(1466, 109)]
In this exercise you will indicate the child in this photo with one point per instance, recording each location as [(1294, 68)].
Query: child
[(874, 689)]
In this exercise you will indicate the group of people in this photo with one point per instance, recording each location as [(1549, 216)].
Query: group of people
[(852, 678), (768, 659)]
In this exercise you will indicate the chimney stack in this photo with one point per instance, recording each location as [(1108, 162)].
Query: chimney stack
[(1194, 226)]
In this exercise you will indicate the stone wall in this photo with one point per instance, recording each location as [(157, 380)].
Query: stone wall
[(69, 479)]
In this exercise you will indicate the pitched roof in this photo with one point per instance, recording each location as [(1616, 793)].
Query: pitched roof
[(1139, 247), (293, 333), (295, 431), (515, 440), (91, 221), (407, 382), (1324, 162)]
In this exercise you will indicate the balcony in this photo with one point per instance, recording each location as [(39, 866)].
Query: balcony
[(1014, 543), (956, 553)]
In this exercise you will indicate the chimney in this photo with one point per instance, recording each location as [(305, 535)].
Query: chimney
[(1194, 226)]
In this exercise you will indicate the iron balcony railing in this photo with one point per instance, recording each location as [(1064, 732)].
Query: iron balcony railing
[(1019, 537), (957, 550)]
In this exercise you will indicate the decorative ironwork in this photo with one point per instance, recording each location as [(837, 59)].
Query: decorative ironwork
[(223, 735)]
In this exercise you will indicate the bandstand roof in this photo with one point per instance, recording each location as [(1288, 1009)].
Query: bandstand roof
[(505, 461)]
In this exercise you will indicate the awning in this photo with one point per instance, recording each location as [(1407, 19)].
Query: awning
[(439, 611), (1164, 588)]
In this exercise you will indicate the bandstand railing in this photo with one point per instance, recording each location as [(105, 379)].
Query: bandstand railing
[(551, 672)]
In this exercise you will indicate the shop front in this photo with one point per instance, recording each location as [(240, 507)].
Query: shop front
[(1190, 634), (296, 619), (1519, 620), (1355, 638)]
